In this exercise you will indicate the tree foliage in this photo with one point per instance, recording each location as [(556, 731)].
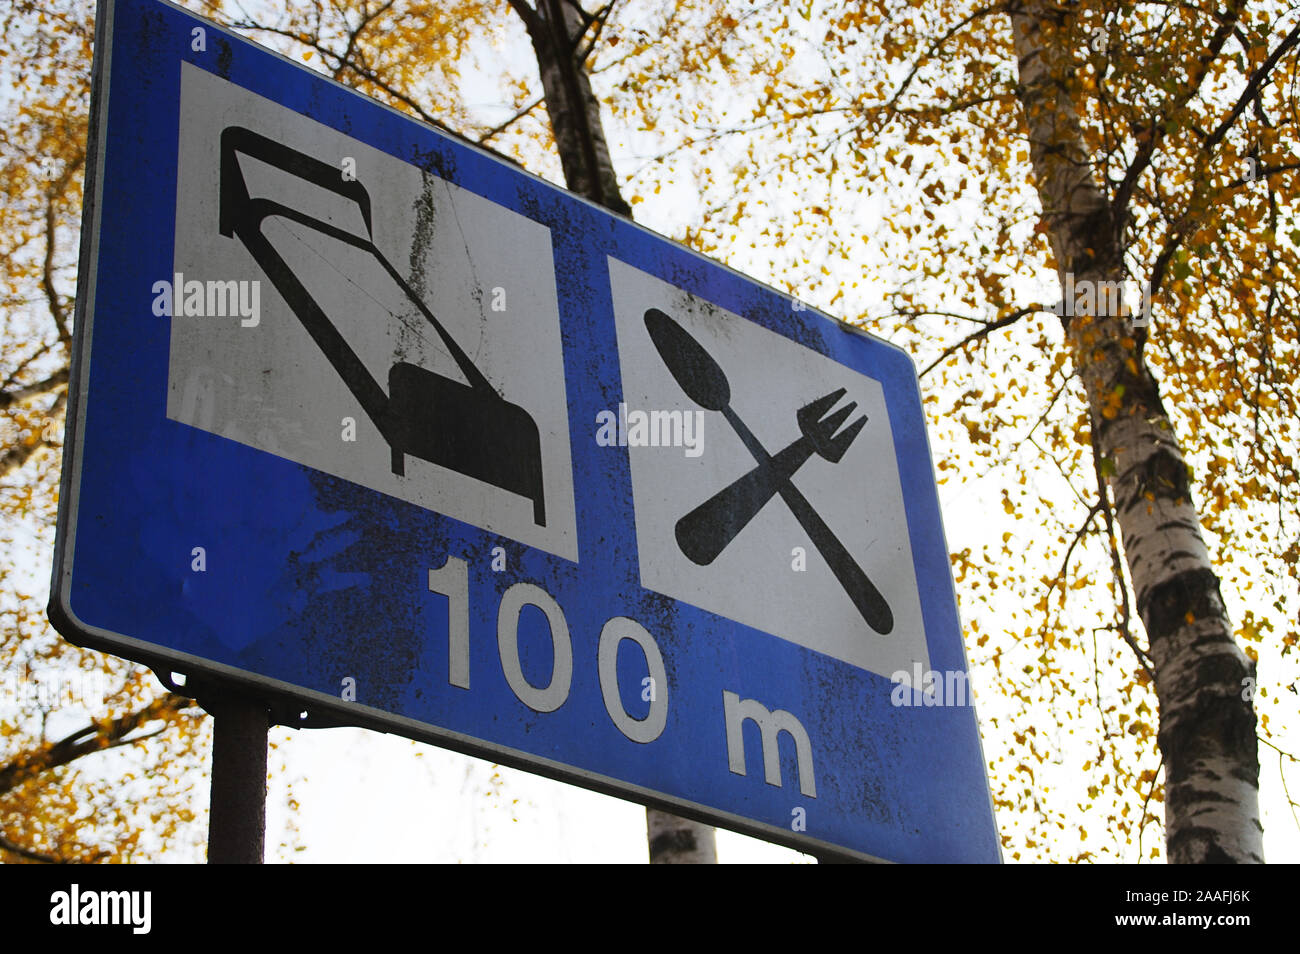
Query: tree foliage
[(905, 165), (60, 707)]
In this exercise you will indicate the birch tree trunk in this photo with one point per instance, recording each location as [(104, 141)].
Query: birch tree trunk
[(1207, 721), (579, 134), (573, 108)]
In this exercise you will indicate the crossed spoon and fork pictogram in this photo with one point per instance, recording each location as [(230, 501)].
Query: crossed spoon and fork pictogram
[(707, 530)]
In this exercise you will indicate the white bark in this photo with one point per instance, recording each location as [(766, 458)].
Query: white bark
[(1207, 728), (679, 841), (1161, 534)]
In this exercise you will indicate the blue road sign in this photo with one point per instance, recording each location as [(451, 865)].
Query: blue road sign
[(369, 420)]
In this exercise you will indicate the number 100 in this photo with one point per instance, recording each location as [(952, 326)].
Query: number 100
[(452, 581)]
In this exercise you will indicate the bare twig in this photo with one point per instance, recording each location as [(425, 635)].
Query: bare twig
[(55, 381), (983, 332), (57, 310), (1145, 802), (1252, 90)]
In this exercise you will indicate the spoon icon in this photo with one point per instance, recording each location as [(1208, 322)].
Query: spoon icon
[(704, 382)]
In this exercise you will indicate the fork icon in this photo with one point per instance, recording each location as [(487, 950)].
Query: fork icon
[(705, 532)]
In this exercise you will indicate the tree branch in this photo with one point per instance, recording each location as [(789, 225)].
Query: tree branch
[(598, 20), (1257, 80), (363, 72), (527, 14), (354, 35), (1263, 174), (1146, 801), (1147, 148), (983, 332), (1162, 261), (28, 853), (502, 127), (40, 352), (20, 453), (1078, 535), (91, 738), (937, 43), (18, 395), (47, 276)]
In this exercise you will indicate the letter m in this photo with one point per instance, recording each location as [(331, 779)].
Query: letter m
[(223, 299), (770, 724), (115, 907), (1108, 298)]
